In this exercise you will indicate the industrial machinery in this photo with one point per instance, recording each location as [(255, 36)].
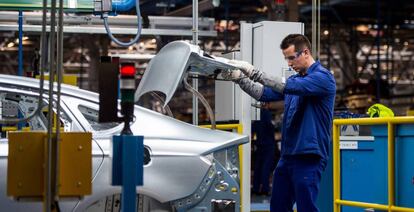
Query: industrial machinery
[(185, 167)]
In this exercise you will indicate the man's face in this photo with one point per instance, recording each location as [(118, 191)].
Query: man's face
[(296, 60)]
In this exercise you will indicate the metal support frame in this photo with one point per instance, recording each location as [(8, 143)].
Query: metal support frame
[(378, 43), (51, 182), (20, 63), (115, 30), (122, 24), (202, 6), (243, 173), (195, 42), (20, 60), (316, 28), (390, 122)]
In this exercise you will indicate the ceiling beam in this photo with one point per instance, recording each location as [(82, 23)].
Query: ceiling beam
[(188, 10)]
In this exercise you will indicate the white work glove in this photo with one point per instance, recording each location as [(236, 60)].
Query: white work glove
[(244, 66), (232, 75), (255, 90), (275, 82)]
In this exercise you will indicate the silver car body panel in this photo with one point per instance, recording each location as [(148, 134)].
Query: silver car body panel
[(166, 70), (180, 152)]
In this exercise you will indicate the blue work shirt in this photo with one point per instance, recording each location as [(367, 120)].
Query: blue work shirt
[(307, 121)]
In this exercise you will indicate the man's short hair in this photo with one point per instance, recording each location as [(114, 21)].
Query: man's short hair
[(300, 42)]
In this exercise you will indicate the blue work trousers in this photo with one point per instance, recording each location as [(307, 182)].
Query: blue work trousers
[(296, 179)]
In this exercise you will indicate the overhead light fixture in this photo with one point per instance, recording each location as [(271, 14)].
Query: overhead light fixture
[(216, 3), (11, 44), (362, 28), (326, 32), (25, 38), (261, 9)]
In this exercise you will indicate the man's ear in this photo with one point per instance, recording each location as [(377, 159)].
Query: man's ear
[(307, 53)]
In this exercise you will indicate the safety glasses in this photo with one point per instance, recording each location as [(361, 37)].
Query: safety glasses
[(291, 58)]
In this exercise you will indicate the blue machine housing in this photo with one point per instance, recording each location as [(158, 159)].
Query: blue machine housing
[(122, 5)]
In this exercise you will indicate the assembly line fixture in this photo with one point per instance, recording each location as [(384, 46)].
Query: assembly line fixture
[(128, 149)]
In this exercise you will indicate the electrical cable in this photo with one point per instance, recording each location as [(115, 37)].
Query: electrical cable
[(203, 101), (120, 43), (57, 206), (97, 170)]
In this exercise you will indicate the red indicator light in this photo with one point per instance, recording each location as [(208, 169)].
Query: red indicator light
[(128, 70)]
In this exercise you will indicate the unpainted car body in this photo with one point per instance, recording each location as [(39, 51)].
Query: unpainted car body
[(187, 168)]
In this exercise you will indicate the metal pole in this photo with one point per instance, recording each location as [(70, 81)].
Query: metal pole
[(226, 31), (20, 65), (313, 27), (336, 168), (391, 164), (195, 42), (50, 179), (59, 72), (43, 42), (20, 60), (316, 28), (378, 42), (328, 48), (318, 47)]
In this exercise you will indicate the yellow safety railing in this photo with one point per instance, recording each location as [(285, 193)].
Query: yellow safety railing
[(390, 122)]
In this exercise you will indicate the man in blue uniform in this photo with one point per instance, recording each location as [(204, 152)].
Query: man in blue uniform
[(309, 98)]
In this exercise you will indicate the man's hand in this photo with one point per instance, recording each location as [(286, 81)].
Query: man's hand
[(233, 75), (244, 66), (255, 75)]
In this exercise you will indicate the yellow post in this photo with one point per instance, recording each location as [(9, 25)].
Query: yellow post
[(391, 163), (240, 131), (336, 168)]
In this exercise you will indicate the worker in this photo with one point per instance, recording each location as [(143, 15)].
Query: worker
[(264, 152), (309, 97)]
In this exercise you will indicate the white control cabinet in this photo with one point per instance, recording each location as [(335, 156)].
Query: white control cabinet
[(260, 45)]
